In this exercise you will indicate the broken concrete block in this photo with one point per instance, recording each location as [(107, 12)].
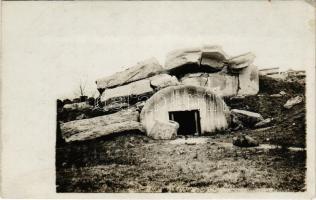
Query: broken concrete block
[(136, 88), (220, 83), (141, 70), (248, 81), (163, 80), (164, 130), (85, 126), (180, 57), (241, 61), (248, 118), (103, 130), (213, 57), (292, 102), (245, 141)]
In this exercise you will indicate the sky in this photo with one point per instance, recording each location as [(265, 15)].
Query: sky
[(59, 45)]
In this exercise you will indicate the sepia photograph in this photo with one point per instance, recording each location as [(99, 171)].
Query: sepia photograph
[(197, 120), (158, 97)]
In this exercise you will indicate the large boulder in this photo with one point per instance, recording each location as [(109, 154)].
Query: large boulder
[(164, 130), (248, 80), (180, 57), (137, 88), (221, 84), (245, 141), (241, 61), (163, 80), (248, 118), (141, 70), (104, 130), (211, 57), (87, 127), (292, 102)]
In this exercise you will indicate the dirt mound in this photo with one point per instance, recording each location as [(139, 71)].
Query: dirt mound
[(291, 85), (289, 124)]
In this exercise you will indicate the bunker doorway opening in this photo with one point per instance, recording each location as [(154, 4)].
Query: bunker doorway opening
[(189, 122)]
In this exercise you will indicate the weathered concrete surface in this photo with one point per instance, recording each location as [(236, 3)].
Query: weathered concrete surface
[(104, 130), (136, 88), (241, 61), (86, 127), (163, 80), (248, 81), (245, 141), (180, 57), (245, 82), (292, 102), (214, 114), (248, 118), (164, 130), (141, 70), (139, 88), (220, 83), (211, 56)]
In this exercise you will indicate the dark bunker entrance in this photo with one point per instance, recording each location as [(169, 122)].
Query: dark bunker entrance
[(189, 121)]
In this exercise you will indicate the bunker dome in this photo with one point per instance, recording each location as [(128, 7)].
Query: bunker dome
[(194, 108)]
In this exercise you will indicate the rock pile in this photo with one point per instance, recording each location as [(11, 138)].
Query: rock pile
[(208, 66), (125, 93)]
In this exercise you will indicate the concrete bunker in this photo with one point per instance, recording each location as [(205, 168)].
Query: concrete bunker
[(197, 110)]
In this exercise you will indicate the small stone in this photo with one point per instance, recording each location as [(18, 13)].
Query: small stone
[(282, 93), (292, 102), (245, 141), (264, 123), (129, 145), (275, 95)]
